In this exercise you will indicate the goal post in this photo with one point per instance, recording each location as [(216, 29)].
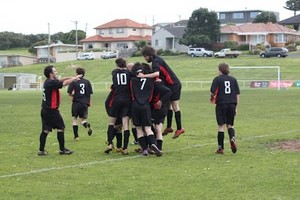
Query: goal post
[(277, 68)]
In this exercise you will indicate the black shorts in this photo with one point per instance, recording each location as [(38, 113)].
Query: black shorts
[(79, 110), (51, 119), (176, 92), (141, 114), (120, 108), (225, 114)]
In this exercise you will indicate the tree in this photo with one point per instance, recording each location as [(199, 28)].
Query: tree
[(265, 17), (293, 5), (202, 30)]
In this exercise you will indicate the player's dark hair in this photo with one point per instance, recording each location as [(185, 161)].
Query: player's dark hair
[(48, 70), (120, 62), (137, 68), (224, 68), (146, 68), (81, 71), (148, 51)]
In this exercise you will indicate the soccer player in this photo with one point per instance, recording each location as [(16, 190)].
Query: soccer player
[(162, 70), (51, 117), (81, 92), (225, 94), (141, 93), (160, 104), (119, 104)]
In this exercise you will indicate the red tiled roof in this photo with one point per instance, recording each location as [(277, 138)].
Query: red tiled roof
[(98, 38), (257, 27), (122, 23)]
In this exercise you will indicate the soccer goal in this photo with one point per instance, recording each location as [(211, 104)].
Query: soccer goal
[(257, 76)]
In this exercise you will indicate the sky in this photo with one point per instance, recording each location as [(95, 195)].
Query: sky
[(40, 16)]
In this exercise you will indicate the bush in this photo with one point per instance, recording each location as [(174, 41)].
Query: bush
[(233, 45), (255, 52), (291, 47), (244, 47)]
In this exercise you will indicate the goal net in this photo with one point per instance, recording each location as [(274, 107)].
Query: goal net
[(257, 76)]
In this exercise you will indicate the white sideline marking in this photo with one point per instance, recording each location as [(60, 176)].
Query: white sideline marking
[(126, 158)]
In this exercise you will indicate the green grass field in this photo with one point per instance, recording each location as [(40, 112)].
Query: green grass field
[(189, 168)]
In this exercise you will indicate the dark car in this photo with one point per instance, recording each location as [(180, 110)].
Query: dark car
[(279, 52)]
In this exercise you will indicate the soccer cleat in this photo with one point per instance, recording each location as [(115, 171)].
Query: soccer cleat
[(167, 131), (233, 145), (138, 150), (124, 151), (178, 133), (145, 152), (135, 142), (156, 150), (108, 149), (118, 150), (65, 152), (220, 151), (76, 139), (42, 153), (88, 126)]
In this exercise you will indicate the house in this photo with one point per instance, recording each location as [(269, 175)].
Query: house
[(167, 37), (241, 16), (118, 34), (58, 52), (292, 21), (11, 60), (271, 34)]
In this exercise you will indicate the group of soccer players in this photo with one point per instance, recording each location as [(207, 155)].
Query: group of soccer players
[(142, 94)]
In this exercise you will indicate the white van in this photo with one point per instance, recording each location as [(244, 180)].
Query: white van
[(86, 56)]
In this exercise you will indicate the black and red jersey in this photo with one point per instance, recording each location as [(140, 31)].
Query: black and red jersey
[(141, 89), (166, 74), (121, 80), (226, 89), (51, 94), (81, 91)]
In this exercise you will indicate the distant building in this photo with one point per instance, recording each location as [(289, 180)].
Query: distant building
[(292, 21), (117, 35), (241, 16)]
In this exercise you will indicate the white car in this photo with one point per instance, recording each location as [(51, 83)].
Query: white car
[(197, 52), (86, 56), (108, 55)]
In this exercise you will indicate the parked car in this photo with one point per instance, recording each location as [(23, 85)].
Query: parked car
[(108, 55), (86, 56), (279, 52), (227, 53), (197, 52)]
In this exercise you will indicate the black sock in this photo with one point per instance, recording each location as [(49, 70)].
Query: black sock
[(111, 134), (159, 144), (43, 138), (75, 131), (84, 124), (126, 139), (231, 133), (221, 139), (119, 139), (61, 140), (143, 143), (151, 139), (169, 118), (178, 119), (133, 130)]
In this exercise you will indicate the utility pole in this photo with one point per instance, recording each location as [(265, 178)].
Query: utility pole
[(49, 40), (76, 36)]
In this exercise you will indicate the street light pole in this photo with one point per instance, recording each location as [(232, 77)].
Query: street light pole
[(49, 43)]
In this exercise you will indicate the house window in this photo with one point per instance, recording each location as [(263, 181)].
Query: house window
[(222, 16), (134, 29), (156, 43), (110, 31), (253, 14), (120, 30), (122, 45), (101, 32), (90, 46), (238, 15), (223, 38), (280, 38)]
